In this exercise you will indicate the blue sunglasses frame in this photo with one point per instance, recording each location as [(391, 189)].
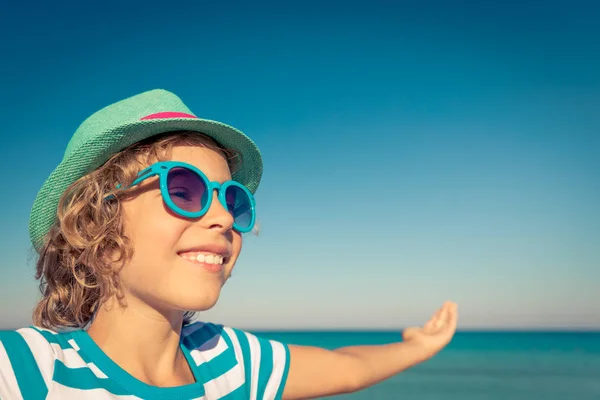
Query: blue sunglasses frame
[(162, 168)]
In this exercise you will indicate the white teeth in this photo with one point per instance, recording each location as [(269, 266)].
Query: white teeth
[(206, 258)]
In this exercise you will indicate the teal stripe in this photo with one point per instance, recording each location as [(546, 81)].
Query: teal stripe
[(218, 366), (120, 380), (53, 338), (29, 378), (206, 338), (201, 336), (286, 370), (266, 366), (245, 346), (84, 379), (84, 356)]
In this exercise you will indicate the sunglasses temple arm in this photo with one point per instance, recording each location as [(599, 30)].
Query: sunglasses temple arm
[(141, 177)]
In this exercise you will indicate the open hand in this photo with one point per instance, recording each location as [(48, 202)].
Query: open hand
[(436, 333)]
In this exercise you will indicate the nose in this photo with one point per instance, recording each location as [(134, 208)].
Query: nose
[(217, 216)]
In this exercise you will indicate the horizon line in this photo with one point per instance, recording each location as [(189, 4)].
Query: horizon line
[(472, 329)]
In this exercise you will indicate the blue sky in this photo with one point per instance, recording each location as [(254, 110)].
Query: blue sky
[(414, 152)]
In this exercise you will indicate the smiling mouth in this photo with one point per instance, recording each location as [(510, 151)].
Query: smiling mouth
[(211, 261)]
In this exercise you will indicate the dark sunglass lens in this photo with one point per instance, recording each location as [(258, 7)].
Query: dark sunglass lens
[(187, 189), (239, 205)]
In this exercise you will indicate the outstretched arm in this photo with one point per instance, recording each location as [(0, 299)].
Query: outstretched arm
[(316, 372)]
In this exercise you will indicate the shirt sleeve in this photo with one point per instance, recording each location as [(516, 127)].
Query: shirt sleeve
[(20, 375), (266, 364)]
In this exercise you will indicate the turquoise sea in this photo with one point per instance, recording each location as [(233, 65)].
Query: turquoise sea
[(483, 365)]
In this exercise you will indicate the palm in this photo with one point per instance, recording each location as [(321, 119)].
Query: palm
[(437, 332)]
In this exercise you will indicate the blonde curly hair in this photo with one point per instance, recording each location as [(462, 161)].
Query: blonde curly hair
[(79, 263)]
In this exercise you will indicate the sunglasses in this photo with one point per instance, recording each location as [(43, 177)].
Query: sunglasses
[(189, 193)]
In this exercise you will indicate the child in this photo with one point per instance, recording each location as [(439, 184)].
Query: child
[(140, 225)]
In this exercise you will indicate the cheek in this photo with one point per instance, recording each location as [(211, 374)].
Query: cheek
[(154, 238), (236, 248), (237, 244), (152, 231)]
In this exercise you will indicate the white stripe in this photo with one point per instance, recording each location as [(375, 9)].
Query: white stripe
[(232, 379), (255, 364), (224, 384), (237, 349), (9, 388), (96, 371), (208, 350), (74, 344), (42, 352), (279, 361), (60, 392), (69, 357)]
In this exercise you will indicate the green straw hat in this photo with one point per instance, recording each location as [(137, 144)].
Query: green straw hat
[(121, 124)]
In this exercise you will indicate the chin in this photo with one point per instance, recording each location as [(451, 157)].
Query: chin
[(198, 300)]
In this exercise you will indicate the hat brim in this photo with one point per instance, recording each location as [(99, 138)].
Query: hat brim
[(93, 153)]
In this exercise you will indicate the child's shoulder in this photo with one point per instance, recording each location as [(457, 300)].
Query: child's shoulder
[(211, 339), (28, 355), (25, 340), (34, 345), (208, 340), (239, 357)]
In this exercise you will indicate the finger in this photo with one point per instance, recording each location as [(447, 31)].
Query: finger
[(433, 319), (441, 320), (439, 312), (437, 320), (451, 319), (430, 325)]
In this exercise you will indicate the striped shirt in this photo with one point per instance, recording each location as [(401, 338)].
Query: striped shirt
[(227, 363)]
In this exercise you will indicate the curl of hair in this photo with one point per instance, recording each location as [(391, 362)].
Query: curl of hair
[(79, 264)]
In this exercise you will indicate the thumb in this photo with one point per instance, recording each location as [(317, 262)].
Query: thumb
[(410, 333)]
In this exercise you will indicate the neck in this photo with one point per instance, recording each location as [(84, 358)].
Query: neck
[(143, 342)]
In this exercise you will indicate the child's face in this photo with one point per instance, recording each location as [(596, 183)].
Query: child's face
[(161, 274)]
